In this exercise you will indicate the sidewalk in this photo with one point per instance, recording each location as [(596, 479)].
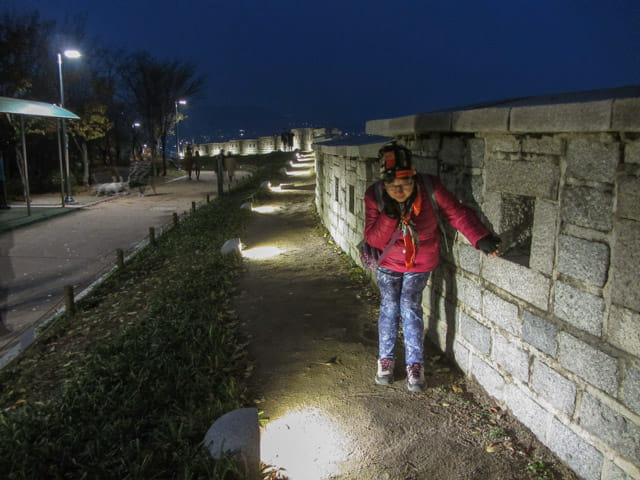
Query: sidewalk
[(75, 245), (313, 329)]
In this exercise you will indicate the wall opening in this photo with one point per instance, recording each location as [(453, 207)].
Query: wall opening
[(337, 189), (517, 224), (352, 199)]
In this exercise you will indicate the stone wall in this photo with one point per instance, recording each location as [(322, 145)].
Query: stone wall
[(551, 330), (302, 140)]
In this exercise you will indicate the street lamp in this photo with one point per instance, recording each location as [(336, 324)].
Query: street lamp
[(65, 143), (134, 127), (181, 102)]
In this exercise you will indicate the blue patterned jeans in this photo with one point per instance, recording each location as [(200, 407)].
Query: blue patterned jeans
[(401, 298)]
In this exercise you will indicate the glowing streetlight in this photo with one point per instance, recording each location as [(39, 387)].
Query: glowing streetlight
[(134, 127), (65, 143), (181, 102)]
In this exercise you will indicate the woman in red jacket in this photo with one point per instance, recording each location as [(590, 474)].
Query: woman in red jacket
[(404, 205)]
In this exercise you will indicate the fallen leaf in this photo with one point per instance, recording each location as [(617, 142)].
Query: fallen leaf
[(456, 389)]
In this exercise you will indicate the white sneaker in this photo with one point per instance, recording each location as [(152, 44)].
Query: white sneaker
[(384, 376), (415, 377)]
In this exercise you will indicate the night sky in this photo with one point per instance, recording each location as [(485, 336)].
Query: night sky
[(341, 62)]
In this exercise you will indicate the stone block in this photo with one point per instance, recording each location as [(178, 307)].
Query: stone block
[(626, 114), (492, 209), (553, 387), (531, 179), (511, 357), (453, 151), (501, 312), (462, 356), (589, 363), (628, 197), (630, 391), (487, 377), (580, 309), (480, 119), (543, 236), (545, 145), (475, 152), (623, 329), (527, 411), (426, 165), (433, 122), (581, 456), (583, 259), (592, 160), (620, 432), (469, 258), (503, 143), (540, 333), (626, 265), (237, 432), (632, 152), (469, 293), (427, 146), (377, 127), (519, 281), (567, 117), (475, 333), (612, 472), (587, 207)]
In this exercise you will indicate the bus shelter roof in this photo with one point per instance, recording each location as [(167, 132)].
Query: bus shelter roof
[(37, 109), (17, 106)]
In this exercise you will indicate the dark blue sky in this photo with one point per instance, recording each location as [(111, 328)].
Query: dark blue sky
[(344, 62)]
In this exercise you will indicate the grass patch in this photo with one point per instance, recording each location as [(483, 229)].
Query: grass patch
[(127, 386)]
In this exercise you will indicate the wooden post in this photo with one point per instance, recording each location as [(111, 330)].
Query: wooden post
[(119, 258), (68, 299), (193, 206), (152, 235), (207, 198), (175, 218)]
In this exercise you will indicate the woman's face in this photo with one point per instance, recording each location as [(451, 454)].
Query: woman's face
[(400, 189)]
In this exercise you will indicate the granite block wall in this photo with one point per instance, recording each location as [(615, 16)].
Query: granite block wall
[(551, 329)]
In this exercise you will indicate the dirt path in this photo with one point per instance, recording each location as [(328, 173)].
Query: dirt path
[(314, 344)]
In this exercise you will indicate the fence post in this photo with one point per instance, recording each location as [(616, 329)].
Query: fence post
[(68, 299), (152, 235), (119, 258)]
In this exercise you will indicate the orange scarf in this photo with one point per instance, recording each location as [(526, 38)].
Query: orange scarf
[(409, 232)]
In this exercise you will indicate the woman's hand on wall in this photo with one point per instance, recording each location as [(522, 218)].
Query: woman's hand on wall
[(489, 245)]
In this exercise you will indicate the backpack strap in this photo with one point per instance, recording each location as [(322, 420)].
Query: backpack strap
[(428, 185)]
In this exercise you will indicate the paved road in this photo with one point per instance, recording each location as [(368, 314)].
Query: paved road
[(38, 260)]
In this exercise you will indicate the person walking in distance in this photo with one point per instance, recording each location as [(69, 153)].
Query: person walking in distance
[(399, 211), (230, 167)]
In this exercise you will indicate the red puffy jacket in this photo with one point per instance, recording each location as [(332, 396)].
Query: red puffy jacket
[(379, 227)]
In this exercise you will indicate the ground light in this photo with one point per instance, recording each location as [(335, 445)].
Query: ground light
[(261, 253), (307, 443), (299, 173), (265, 209)]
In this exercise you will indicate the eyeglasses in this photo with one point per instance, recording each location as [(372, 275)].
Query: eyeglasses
[(399, 186)]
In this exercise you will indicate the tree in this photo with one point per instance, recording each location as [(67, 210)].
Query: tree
[(154, 86)]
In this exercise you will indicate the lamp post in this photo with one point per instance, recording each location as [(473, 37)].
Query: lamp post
[(134, 140), (181, 102), (65, 143)]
